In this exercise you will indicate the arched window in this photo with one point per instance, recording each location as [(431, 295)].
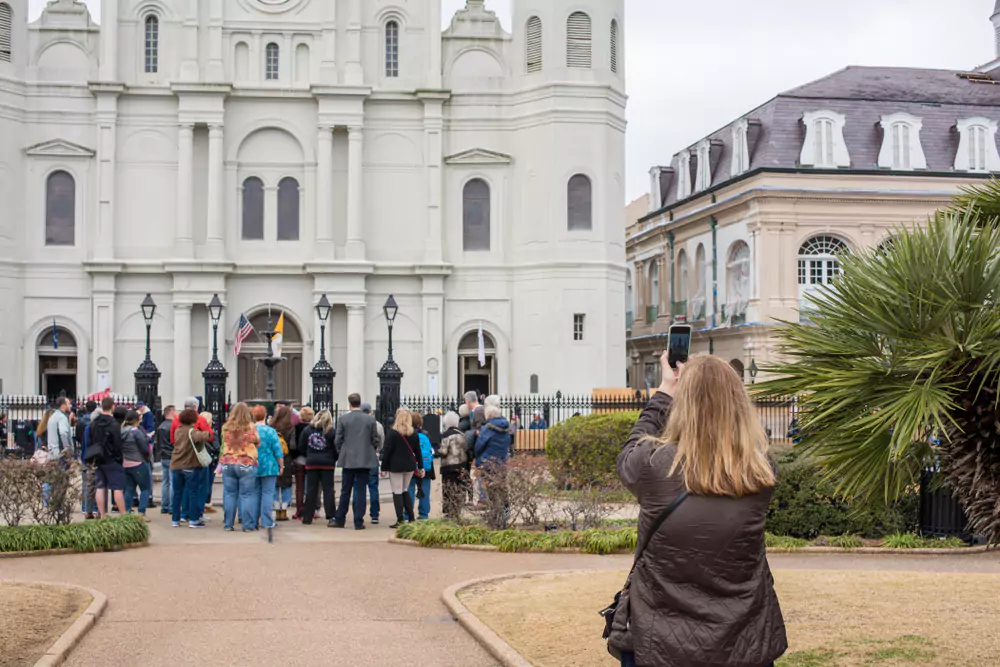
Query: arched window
[(392, 49), (253, 209), (302, 64), (683, 277), (6, 32), (578, 41), (824, 145), (818, 263), (614, 46), (533, 45), (977, 148), (901, 149), (653, 304), (271, 62), (699, 302), (60, 209), (241, 57), (737, 282), (288, 210), (977, 145), (152, 44), (580, 213), (476, 216)]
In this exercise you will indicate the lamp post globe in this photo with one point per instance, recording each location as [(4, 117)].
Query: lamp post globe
[(215, 374), (391, 375), (322, 373), (147, 376)]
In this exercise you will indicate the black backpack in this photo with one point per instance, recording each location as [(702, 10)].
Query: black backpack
[(98, 447)]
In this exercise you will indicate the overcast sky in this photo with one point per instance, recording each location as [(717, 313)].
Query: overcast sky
[(693, 67)]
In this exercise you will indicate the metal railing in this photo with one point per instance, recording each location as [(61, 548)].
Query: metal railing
[(21, 413), (652, 312)]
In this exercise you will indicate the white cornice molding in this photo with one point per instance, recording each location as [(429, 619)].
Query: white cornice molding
[(59, 148), (479, 156)]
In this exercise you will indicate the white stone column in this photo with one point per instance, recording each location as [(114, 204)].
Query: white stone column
[(107, 130), (184, 240), (108, 69), (434, 34), (324, 194), (190, 70), (216, 70), (355, 352), (216, 205), (328, 62), (433, 125), (182, 353), (354, 73), (355, 193), (103, 333)]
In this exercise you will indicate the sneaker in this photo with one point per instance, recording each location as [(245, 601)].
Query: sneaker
[(333, 523), (166, 511), (375, 520), (395, 525), (360, 527), (175, 524), (196, 524), (183, 520), (228, 529)]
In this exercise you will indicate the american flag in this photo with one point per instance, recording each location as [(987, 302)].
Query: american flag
[(243, 331)]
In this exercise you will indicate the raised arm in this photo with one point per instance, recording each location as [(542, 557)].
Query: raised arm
[(634, 457)]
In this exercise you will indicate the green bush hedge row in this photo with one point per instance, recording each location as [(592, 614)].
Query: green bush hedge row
[(584, 450), (88, 536), (594, 541)]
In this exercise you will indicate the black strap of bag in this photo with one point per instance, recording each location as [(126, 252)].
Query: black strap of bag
[(609, 612)]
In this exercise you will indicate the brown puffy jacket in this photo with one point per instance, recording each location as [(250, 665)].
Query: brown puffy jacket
[(702, 594)]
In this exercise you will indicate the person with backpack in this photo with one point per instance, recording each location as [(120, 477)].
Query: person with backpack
[(282, 424), (454, 466), (401, 458), (88, 489), (270, 465), (319, 443), (104, 450), (135, 448), (420, 488)]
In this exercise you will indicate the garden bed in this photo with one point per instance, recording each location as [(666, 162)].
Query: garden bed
[(34, 617), (833, 619), (618, 538), (97, 535)]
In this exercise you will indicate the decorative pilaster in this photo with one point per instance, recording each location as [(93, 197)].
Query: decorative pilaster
[(190, 71), (182, 387), (355, 193), (184, 240), (434, 148), (355, 350), (215, 71), (216, 167), (354, 73), (324, 194), (107, 130), (108, 69)]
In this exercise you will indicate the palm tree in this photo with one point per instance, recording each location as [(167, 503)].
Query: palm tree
[(899, 366)]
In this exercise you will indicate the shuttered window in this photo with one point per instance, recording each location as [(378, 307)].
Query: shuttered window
[(578, 41), (288, 209), (253, 209), (533, 54), (614, 46), (6, 27), (60, 209)]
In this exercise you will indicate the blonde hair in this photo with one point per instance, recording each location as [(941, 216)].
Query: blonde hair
[(306, 414), (209, 417), (240, 420), (721, 444), (492, 399), (463, 411), (404, 423), (492, 411), (323, 421)]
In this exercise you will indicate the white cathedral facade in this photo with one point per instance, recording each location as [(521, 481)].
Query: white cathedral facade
[(273, 151)]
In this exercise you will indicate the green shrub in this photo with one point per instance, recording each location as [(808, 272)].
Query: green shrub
[(88, 536), (445, 533), (783, 542), (912, 541), (846, 542), (583, 449), (805, 505)]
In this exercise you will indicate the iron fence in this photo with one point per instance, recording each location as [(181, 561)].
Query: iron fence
[(940, 513), (20, 415)]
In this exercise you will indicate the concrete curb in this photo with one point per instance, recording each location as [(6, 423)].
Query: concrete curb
[(64, 552), (864, 551), (74, 633)]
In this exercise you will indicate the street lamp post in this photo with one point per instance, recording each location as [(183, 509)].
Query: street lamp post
[(147, 376), (390, 377), (215, 374), (322, 373)]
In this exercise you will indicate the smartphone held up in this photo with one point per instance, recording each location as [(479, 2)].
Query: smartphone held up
[(679, 344)]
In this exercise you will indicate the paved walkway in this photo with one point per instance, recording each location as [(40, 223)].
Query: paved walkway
[(316, 596)]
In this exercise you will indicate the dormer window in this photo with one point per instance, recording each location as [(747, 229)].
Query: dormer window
[(824, 146), (704, 179), (977, 145), (901, 149), (683, 174), (741, 148)]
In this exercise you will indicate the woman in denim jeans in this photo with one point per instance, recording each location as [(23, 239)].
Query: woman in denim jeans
[(238, 461), (270, 464)]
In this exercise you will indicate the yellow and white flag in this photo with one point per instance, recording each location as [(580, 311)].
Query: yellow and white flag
[(278, 338)]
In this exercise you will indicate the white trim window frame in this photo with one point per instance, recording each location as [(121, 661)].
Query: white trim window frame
[(683, 174), (824, 146), (977, 146), (703, 180), (741, 148), (901, 147)]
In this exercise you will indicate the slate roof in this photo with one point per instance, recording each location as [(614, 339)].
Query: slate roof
[(863, 95)]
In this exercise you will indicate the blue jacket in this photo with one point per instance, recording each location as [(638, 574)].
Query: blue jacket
[(268, 452), (493, 443), (426, 450), (148, 423)]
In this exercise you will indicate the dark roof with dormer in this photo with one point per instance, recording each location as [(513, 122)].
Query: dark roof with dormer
[(940, 98)]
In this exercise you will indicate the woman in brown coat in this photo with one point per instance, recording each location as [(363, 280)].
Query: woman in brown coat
[(701, 594), (282, 423)]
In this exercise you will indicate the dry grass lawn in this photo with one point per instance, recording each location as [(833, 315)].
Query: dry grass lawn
[(834, 619), (33, 617)]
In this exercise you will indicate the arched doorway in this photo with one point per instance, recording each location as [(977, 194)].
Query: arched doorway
[(57, 363), (739, 368), (471, 375), (252, 383)]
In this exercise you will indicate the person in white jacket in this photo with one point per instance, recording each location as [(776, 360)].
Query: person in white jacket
[(59, 435)]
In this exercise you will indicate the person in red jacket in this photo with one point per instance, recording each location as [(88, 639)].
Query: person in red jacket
[(201, 425)]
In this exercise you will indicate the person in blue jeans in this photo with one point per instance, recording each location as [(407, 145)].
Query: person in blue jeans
[(423, 504), (164, 450), (238, 461), (186, 471), (270, 464)]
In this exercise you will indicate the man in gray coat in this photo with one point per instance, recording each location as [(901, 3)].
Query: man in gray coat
[(357, 441)]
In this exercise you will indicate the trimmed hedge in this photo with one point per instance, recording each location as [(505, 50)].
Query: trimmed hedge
[(584, 448), (805, 505), (595, 541), (87, 536)]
